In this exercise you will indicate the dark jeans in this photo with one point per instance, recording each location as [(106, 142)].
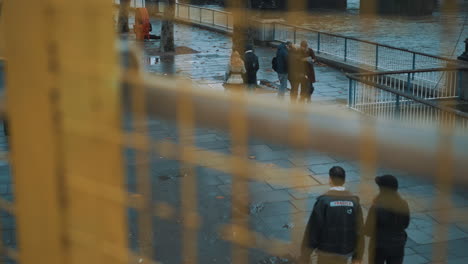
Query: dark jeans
[(384, 256), (331, 259)]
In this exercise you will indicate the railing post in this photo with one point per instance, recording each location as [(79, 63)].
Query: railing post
[(318, 42), (459, 83), (212, 11), (345, 48), (376, 57), (414, 64), (295, 30), (397, 107), (274, 31), (350, 92), (408, 83), (200, 15)]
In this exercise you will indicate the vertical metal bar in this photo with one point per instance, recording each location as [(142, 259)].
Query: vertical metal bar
[(274, 31), (350, 92), (73, 163), (318, 42), (186, 125), (376, 56), (295, 31), (213, 21), (460, 83), (345, 49), (41, 204), (408, 83), (240, 168), (200, 14), (143, 168)]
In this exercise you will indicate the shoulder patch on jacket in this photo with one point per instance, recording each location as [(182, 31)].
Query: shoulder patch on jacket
[(341, 203)]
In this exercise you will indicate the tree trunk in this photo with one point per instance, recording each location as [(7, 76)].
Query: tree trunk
[(124, 9), (243, 32), (167, 28)]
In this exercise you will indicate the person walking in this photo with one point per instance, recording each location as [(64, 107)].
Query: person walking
[(386, 222), (334, 228), (282, 67), (235, 71), (307, 84), (251, 67)]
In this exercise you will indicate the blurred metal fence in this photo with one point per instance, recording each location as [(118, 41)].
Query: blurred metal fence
[(409, 96), (366, 54), (70, 199)]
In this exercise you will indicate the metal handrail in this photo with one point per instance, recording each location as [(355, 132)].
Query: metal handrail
[(366, 41), (463, 68), (355, 77)]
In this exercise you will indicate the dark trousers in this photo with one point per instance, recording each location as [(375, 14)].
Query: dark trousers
[(331, 259), (306, 90), (382, 256)]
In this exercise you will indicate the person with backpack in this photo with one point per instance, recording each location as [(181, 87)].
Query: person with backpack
[(280, 65), (251, 67), (386, 222), (334, 229)]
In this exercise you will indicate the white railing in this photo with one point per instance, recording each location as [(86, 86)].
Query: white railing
[(133, 3), (409, 96)]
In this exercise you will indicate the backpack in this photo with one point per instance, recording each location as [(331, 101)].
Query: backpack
[(274, 64)]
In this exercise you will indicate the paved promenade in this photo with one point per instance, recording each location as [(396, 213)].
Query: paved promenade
[(273, 206)]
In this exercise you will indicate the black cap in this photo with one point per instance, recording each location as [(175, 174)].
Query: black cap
[(249, 47), (387, 181)]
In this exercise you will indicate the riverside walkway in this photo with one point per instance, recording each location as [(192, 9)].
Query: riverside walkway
[(274, 206)]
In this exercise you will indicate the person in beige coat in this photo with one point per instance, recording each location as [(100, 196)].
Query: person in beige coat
[(235, 71)]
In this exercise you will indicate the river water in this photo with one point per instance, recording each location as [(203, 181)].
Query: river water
[(441, 33)]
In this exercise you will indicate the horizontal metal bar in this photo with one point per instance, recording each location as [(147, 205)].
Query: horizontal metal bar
[(370, 73), (329, 131)]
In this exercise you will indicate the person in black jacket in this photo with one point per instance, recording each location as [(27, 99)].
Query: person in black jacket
[(386, 222), (251, 67), (335, 225), (282, 67)]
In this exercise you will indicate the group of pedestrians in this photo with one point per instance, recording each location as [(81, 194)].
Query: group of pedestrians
[(295, 63), (336, 227), (292, 63)]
